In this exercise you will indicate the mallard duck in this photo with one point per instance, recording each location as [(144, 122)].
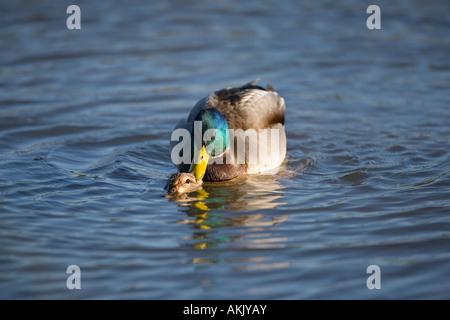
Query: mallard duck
[(231, 132)]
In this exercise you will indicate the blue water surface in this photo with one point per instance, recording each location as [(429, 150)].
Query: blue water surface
[(85, 123)]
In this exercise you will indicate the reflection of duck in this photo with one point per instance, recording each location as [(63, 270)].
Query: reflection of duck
[(246, 193), (240, 202), (231, 120)]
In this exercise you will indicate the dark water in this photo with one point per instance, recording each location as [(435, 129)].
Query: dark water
[(86, 116)]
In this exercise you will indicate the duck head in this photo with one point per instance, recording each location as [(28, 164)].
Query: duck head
[(215, 140), (182, 182)]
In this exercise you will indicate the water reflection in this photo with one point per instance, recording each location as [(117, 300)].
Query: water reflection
[(248, 206), (236, 203), (245, 193), (242, 194)]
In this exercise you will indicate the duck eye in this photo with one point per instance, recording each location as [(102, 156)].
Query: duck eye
[(213, 136), (188, 181)]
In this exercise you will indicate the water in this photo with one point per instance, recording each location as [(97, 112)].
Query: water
[(86, 116)]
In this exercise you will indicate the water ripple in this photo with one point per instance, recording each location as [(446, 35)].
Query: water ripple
[(85, 123)]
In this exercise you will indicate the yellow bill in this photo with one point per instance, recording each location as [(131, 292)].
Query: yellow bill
[(198, 166)]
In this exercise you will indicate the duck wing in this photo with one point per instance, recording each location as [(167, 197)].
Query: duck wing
[(247, 107)]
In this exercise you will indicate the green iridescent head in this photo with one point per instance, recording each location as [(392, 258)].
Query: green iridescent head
[(214, 131), (214, 140)]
